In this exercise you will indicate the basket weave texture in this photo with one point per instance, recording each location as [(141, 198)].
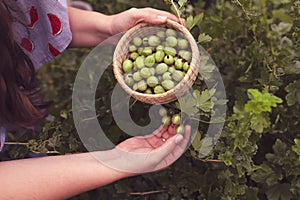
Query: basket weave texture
[(143, 30)]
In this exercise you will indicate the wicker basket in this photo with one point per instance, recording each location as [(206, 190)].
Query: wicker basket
[(145, 29)]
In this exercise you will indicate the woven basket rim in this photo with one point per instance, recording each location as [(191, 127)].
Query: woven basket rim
[(193, 63)]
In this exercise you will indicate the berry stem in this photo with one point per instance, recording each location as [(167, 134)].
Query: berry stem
[(177, 11)]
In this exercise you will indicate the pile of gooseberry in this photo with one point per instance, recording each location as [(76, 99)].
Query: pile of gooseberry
[(168, 118), (156, 63)]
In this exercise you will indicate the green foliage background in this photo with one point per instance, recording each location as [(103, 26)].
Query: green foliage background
[(255, 44)]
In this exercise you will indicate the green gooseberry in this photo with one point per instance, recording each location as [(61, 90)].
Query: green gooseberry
[(161, 68), (145, 41), (148, 91), (178, 63), (129, 80), (170, 51), (150, 60), (169, 60), (159, 89), (152, 81), (176, 119), (177, 75), (133, 55), (182, 43), (185, 66), (160, 48), (127, 65), (167, 76), (171, 69), (137, 76), (161, 34), (147, 51), (142, 85), (186, 55), (163, 112), (145, 72), (132, 48), (171, 32), (154, 40), (140, 62), (180, 129), (140, 51), (159, 56), (166, 120), (135, 87), (168, 84), (137, 41), (171, 41)]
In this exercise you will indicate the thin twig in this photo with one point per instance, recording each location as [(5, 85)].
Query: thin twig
[(16, 143), (211, 160), (245, 12), (177, 12), (146, 193), (247, 16), (130, 107)]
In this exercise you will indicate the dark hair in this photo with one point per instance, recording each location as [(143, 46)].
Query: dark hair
[(20, 102)]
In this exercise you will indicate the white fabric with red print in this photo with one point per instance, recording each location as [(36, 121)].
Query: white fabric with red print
[(41, 28)]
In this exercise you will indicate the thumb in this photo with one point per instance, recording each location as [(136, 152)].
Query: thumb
[(167, 148)]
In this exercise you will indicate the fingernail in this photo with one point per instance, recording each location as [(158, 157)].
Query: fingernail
[(162, 18), (178, 138)]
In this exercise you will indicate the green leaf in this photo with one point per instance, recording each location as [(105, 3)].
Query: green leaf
[(292, 68), (281, 15), (261, 102), (293, 96), (197, 19), (226, 157), (189, 22), (265, 174), (296, 147), (204, 100), (182, 3), (187, 104), (203, 38), (279, 192), (259, 122), (282, 28), (279, 148), (196, 143), (206, 68)]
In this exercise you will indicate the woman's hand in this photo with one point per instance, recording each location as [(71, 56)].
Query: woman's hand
[(90, 28), (143, 154), (127, 19)]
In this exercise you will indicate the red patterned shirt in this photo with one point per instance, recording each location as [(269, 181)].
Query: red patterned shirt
[(42, 29)]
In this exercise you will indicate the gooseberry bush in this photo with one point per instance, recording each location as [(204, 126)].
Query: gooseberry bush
[(255, 45)]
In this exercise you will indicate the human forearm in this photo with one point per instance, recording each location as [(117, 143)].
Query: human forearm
[(60, 177), (53, 177), (88, 28)]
